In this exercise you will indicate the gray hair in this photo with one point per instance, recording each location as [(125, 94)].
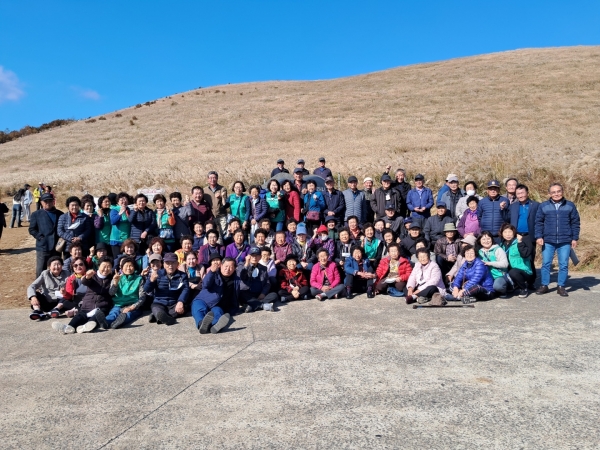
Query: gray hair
[(556, 184), (401, 170)]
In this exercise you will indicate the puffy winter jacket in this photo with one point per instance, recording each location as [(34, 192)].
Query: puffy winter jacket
[(97, 294), (451, 200), (334, 202), (212, 291), (317, 275), (356, 205), (491, 217), (259, 284), (141, 221), (258, 208), (434, 227), (404, 269), (414, 199), (288, 279), (557, 225), (81, 227), (351, 266), (473, 274), (167, 291)]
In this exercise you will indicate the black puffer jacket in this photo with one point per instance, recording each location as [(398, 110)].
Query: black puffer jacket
[(97, 295)]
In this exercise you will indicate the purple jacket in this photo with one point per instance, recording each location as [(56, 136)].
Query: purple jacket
[(231, 251)]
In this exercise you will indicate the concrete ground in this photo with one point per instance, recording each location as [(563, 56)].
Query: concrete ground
[(516, 373)]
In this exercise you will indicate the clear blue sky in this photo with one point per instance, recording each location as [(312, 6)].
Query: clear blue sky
[(78, 58)]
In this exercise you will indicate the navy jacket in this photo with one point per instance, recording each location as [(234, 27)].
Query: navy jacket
[(557, 226), (277, 171), (83, 230), (141, 221), (491, 218), (256, 285), (414, 200), (323, 172), (44, 230), (168, 292), (335, 202), (212, 291), (514, 215), (260, 209)]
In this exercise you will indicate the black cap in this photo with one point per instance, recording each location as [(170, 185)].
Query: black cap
[(47, 198), (254, 251), (328, 179), (27, 186), (321, 159), (419, 177), (408, 220), (441, 205), (280, 161), (330, 219), (414, 225), (214, 256), (300, 161), (101, 246), (352, 179), (298, 170), (493, 183), (389, 206), (386, 177)]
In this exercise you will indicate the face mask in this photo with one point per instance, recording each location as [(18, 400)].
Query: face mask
[(324, 237), (102, 277), (255, 273), (470, 193)]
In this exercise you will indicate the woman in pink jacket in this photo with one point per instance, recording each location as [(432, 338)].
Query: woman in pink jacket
[(325, 281), (425, 279)]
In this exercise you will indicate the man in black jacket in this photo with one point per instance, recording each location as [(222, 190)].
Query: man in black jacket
[(384, 196), (401, 186), (522, 217), (336, 206), (434, 225), (279, 169), (43, 226)]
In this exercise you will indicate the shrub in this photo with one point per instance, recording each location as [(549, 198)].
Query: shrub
[(138, 105), (101, 118), (173, 103), (7, 136), (119, 115), (90, 121), (131, 122), (134, 118)]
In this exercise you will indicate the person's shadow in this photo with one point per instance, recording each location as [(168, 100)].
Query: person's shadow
[(583, 283)]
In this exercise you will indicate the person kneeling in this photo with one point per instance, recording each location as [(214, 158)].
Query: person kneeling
[(128, 295), (170, 289), (359, 274), (292, 282), (220, 292), (96, 302), (425, 280)]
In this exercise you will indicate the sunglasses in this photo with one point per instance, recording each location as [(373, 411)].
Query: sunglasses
[(78, 265)]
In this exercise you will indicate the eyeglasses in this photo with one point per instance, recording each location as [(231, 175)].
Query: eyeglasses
[(78, 265)]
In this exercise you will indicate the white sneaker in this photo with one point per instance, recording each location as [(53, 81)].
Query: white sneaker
[(87, 327), (268, 306), (63, 328)]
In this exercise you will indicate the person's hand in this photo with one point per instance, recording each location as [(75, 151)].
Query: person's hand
[(247, 260), (193, 285), (304, 264), (135, 207), (202, 272), (218, 194), (277, 262), (326, 288), (295, 293), (116, 279), (451, 258), (76, 239), (304, 191), (253, 222), (154, 276), (410, 291), (63, 291), (124, 208), (540, 241), (90, 273), (455, 292), (100, 212), (34, 302), (148, 251), (573, 244), (214, 266), (179, 308), (245, 226), (519, 238), (450, 277), (145, 271), (388, 225), (187, 199), (144, 234), (261, 296), (486, 263), (388, 168), (330, 213), (502, 205)]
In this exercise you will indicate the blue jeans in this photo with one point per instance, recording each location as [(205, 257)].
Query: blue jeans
[(16, 214), (200, 309), (563, 251), (116, 310)]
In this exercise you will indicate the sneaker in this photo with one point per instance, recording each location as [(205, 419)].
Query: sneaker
[(100, 318), (120, 320), (63, 328), (421, 300), (543, 289), (248, 309), (206, 323), (370, 293), (283, 299), (72, 312), (267, 307), (36, 314), (523, 293), (55, 313), (320, 297), (90, 325), (468, 300), (348, 293), (222, 322), (163, 317), (151, 318)]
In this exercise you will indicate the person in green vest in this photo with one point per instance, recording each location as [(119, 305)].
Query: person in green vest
[(276, 212), (102, 222), (119, 220), (164, 222), (128, 295), (518, 250), (239, 205), (495, 260)]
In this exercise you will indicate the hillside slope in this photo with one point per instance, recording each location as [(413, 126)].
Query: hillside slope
[(532, 113)]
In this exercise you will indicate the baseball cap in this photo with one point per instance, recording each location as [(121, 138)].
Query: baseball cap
[(389, 206), (301, 228), (452, 177), (408, 220), (321, 229), (280, 161), (255, 251), (329, 179), (368, 179), (441, 205), (154, 257), (493, 183), (321, 159), (327, 220), (47, 198), (419, 177), (352, 179), (170, 257), (414, 225), (386, 177), (214, 256), (300, 161), (297, 170)]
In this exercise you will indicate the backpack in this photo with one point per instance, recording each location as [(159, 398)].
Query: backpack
[(19, 195)]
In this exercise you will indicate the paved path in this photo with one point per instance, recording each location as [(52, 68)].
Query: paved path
[(517, 373)]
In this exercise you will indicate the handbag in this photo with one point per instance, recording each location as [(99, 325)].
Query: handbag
[(60, 245), (313, 215), (166, 233)]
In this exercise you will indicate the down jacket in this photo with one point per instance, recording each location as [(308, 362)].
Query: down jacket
[(557, 225), (473, 274), (425, 276), (404, 269), (317, 275)]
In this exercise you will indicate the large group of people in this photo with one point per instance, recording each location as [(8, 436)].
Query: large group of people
[(215, 254)]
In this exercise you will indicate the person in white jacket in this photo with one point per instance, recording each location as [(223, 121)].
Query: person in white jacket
[(26, 202), (425, 280)]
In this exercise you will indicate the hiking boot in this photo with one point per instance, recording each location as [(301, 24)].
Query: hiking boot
[(163, 317), (467, 300), (87, 327), (543, 289), (120, 320), (562, 291), (248, 309), (523, 293), (151, 318), (63, 328), (348, 293), (267, 307), (222, 323), (101, 319), (421, 300), (370, 293), (206, 323)]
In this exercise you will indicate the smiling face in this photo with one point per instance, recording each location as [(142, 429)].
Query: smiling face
[(323, 256), (556, 193), (212, 239), (55, 268), (287, 187), (141, 203), (470, 255), (88, 208), (105, 268), (344, 237), (238, 238), (522, 195), (292, 226), (254, 259), (508, 234), (197, 195), (419, 183), (170, 267), (493, 192), (357, 254), (265, 256), (511, 186), (473, 205), (414, 232), (186, 245), (198, 229), (191, 260), (400, 176), (227, 268), (123, 201), (310, 187), (486, 241), (280, 238), (291, 264), (213, 179), (76, 252), (352, 224), (369, 232), (160, 204), (105, 203), (175, 202), (79, 266), (368, 185), (260, 240), (74, 208), (273, 187), (128, 268), (157, 248), (237, 188), (394, 253), (441, 211), (129, 249)]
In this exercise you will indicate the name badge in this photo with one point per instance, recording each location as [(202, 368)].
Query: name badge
[(346, 255), (387, 196)]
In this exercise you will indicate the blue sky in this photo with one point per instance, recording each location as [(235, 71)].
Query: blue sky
[(78, 58)]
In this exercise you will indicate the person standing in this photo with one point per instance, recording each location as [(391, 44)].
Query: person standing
[(322, 171), (280, 168), (384, 196), (420, 199), (216, 195), (511, 189), (402, 186), (522, 217), (17, 208), (446, 187), (492, 210), (368, 190), (452, 196), (557, 227), (43, 226), (27, 200), (334, 200), (300, 165), (37, 194), (355, 202)]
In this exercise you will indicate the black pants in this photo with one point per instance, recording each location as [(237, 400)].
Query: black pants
[(304, 290), (520, 278), (81, 318), (444, 265), (47, 304), (382, 286), (428, 291), (170, 310), (41, 260), (249, 298), (358, 284), (116, 251)]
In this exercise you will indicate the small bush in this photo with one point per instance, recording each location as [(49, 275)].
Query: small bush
[(217, 91), (101, 118), (90, 121), (134, 118), (138, 105), (241, 93), (223, 92), (173, 103), (119, 115), (147, 103), (131, 122)]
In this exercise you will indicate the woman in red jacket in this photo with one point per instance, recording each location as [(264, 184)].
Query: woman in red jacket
[(291, 201), (292, 282), (393, 272), (325, 281)]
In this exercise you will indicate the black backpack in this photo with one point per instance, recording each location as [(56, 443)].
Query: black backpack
[(19, 195)]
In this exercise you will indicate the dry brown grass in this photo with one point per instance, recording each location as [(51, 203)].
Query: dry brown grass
[(534, 114)]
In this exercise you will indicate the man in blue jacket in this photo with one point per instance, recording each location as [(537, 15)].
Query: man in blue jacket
[(557, 227), (522, 217), (492, 210), (170, 289), (322, 171), (420, 199), (213, 306), (43, 226)]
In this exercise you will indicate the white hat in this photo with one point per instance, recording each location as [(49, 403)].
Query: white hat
[(368, 179)]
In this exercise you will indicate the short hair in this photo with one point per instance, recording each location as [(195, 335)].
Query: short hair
[(193, 253), (75, 245), (271, 181), (556, 184), (159, 197), (213, 172), (197, 187), (280, 232), (292, 185), (321, 250), (79, 258), (186, 237), (212, 231), (352, 217), (368, 225), (239, 231), (127, 243), (121, 195), (101, 200), (235, 219), (261, 231), (265, 248), (379, 220), (73, 199), (401, 171), (210, 222), (466, 248), (422, 241), (472, 198), (228, 259), (388, 231), (255, 186), (55, 258), (422, 251), (394, 245), (522, 186), (484, 233), (313, 182), (197, 223), (511, 179), (137, 197), (106, 259), (156, 239), (291, 221), (175, 194), (360, 249), (242, 183), (508, 226), (264, 219), (470, 182), (127, 259), (344, 230), (88, 198)]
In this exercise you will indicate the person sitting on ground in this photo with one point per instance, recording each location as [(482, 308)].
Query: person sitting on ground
[(425, 279), (169, 286), (46, 293), (360, 275), (281, 249), (255, 290), (191, 268), (219, 298), (473, 280), (392, 273), (75, 226), (452, 196), (518, 250), (199, 236), (495, 259), (325, 282), (120, 226), (372, 246), (420, 199), (128, 295), (302, 249), (467, 240), (447, 249), (468, 225), (238, 249), (96, 302), (322, 171), (212, 246), (187, 246), (74, 288), (434, 225), (470, 190), (280, 168), (164, 222), (321, 240), (293, 284)]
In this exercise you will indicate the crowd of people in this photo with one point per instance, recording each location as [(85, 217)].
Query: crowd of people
[(215, 254)]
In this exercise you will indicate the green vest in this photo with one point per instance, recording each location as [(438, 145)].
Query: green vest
[(273, 202), (164, 224), (103, 234), (371, 248), (490, 256), (515, 259), (122, 230), (238, 206), (128, 290)]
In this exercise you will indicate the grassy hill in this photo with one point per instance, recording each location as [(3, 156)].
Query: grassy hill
[(532, 113)]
